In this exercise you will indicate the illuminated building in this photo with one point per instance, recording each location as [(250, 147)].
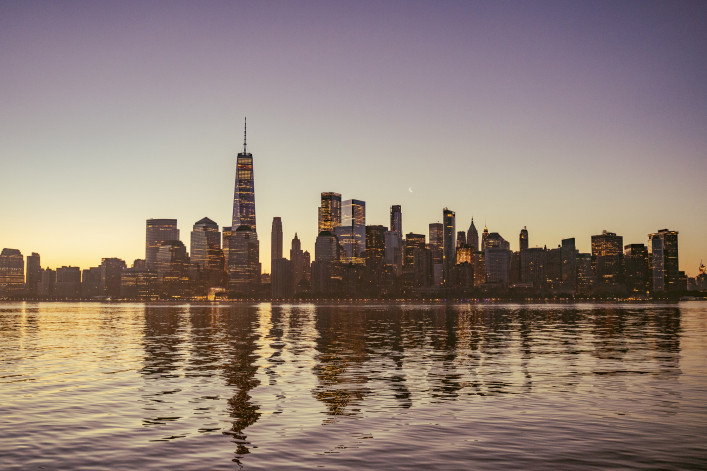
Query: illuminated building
[(607, 255), (472, 237), (532, 266), (479, 263), (449, 250), (12, 273), (137, 283), (158, 231), (464, 254), (436, 232), (484, 236), (354, 216), (226, 233), (33, 274), (461, 238), (244, 191), (637, 268), (523, 239), (206, 261), (326, 248), (244, 264), (413, 241), (329, 211), (701, 279), (553, 269), (68, 283), (664, 260), (349, 250)]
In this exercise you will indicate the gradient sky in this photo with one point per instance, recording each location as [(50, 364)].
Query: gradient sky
[(565, 117)]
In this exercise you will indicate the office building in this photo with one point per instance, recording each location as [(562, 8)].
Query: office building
[(244, 265), (68, 283), (33, 275), (329, 212), (206, 258), (396, 219), (12, 273), (569, 265), (111, 270), (275, 241), (158, 231), (375, 247), (664, 261), (354, 216), (523, 239), (449, 249), (244, 191), (637, 273), (607, 257)]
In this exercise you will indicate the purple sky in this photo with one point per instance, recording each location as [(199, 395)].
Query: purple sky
[(565, 117)]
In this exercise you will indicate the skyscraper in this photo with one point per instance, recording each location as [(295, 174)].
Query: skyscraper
[(523, 239), (12, 273), (158, 231), (664, 260), (449, 250), (243, 247), (354, 216), (472, 237), (207, 259), (329, 211), (396, 219), (33, 274), (436, 232), (636, 268), (607, 257), (244, 192), (275, 241)]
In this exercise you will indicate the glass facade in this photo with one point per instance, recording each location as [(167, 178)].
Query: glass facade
[(449, 249), (12, 273), (329, 212), (354, 216)]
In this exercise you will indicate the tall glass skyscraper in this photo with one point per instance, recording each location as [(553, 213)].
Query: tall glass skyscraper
[(449, 250), (244, 193), (244, 249), (329, 212), (354, 216)]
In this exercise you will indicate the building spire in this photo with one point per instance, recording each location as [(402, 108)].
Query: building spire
[(245, 129)]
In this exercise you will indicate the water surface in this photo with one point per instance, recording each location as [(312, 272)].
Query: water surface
[(126, 386)]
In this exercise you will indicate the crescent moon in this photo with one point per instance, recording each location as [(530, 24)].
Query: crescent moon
[(410, 189)]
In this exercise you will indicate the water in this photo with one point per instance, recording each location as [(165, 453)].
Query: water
[(132, 386)]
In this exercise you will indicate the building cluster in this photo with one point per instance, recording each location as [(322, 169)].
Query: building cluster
[(355, 260)]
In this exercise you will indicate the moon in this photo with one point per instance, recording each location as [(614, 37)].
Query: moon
[(410, 189)]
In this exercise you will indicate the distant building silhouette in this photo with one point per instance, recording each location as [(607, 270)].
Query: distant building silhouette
[(664, 261), (523, 239), (158, 231), (637, 268), (449, 249), (206, 257), (33, 274), (607, 258), (472, 237)]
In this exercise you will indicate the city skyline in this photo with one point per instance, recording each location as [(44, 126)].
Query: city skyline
[(600, 127)]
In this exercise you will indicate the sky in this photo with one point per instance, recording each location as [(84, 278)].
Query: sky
[(566, 117)]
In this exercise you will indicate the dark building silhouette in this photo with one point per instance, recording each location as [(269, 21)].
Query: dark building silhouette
[(33, 274), (472, 237), (664, 261), (244, 265), (375, 247), (569, 265), (157, 232), (449, 249), (637, 268), (300, 266), (111, 270), (523, 239), (68, 283)]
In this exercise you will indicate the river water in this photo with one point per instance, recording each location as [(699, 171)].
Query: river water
[(351, 387)]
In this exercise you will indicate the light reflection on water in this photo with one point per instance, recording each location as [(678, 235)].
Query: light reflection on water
[(99, 386)]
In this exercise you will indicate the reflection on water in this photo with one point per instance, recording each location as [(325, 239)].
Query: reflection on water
[(346, 386)]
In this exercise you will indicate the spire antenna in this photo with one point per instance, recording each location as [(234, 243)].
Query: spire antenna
[(245, 130)]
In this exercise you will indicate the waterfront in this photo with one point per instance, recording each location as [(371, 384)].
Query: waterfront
[(121, 386)]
